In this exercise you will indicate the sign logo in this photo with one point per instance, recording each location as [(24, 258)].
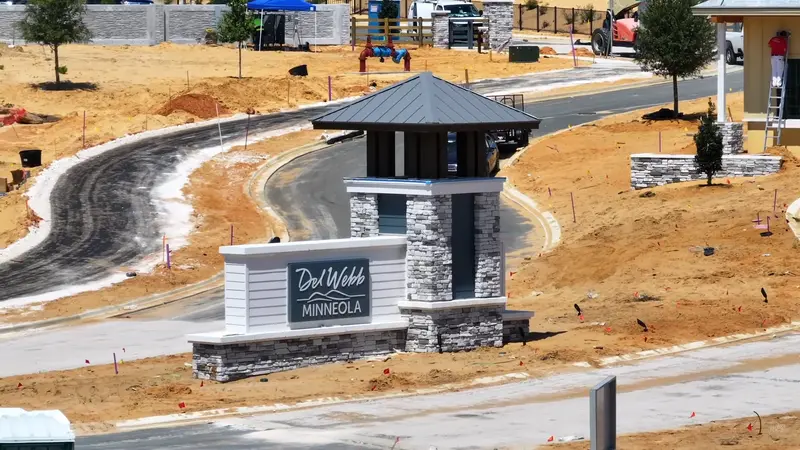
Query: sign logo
[(327, 290)]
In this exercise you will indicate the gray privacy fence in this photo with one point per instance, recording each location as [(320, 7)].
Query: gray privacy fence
[(184, 24)]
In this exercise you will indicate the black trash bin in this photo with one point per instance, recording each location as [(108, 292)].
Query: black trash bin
[(31, 158)]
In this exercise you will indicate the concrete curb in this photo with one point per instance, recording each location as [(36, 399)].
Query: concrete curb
[(550, 225)]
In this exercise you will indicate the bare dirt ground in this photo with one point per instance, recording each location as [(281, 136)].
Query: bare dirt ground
[(779, 432), (94, 396), (219, 197), (125, 90), (630, 255)]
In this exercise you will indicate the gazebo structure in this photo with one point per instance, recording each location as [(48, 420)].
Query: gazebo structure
[(455, 285)]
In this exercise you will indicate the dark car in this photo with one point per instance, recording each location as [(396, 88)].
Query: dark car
[(492, 153)]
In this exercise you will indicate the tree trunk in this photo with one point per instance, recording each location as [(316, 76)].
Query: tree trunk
[(675, 95), (710, 175), (58, 75), (240, 59)]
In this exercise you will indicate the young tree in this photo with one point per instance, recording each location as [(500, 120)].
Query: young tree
[(671, 42), (237, 26), (54, 23), (708, 141)]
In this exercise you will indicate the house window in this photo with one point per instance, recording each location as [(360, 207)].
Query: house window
[(792, 107), (391, 214)]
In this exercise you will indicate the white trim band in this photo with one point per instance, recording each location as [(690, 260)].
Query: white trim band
[(451, 304), (219, 337), (424, 187), (308, 246)]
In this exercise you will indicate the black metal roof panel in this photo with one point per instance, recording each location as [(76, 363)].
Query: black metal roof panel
[(425, 103)]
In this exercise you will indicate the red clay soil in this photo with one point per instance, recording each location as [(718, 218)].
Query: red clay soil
[(547, 51), (581, 51), (200, 105)]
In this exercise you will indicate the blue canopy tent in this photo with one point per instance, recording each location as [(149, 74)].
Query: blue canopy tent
[(283, 5)]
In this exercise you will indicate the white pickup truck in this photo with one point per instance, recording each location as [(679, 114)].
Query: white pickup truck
[(734, 36)]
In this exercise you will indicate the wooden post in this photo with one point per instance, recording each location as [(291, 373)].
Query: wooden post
[(466, 77), (330, 90), (288, 88), (169, 262), (353, 32), (419, 32), (520, 16), (84, 128), (231, 234), (537, 19), (385, 30), (572, 199)]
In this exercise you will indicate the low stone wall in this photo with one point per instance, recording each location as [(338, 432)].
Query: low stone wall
[(364, 215), (184, 24), (516, 330), (229, 362), (460, 329), (655, 169)]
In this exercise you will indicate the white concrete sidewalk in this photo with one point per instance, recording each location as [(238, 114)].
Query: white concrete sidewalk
[(69, 347), (662, 395)]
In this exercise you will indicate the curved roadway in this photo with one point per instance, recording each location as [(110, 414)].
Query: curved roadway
[(309, 193), (103, 217)]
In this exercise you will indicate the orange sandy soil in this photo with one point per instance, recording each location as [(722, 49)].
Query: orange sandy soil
[(93, 397), (218, 193), (125, 89), (642, 256), (779, 432)]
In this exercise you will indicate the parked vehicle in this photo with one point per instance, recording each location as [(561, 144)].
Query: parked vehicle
[(520, 138), (626, 22), (423, 9), (492, 154), (734, 36)]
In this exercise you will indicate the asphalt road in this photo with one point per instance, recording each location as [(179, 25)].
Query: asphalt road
[(103, 217), (309, 193)]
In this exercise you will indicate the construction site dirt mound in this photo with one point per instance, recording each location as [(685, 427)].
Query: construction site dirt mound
[(547, 51), (583, 51), (200, 105)]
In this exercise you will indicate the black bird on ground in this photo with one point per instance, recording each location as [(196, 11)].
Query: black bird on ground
[(578, 308), (642, 324), (764, 293)]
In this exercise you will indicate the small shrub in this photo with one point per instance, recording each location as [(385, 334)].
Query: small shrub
[(545, 25), (531, 4), (2, 67), (211, 37), (62, 70), (708, 141), (569, 19), (587, 13), (543, 8)]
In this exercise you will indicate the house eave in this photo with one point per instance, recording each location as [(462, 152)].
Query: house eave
[(746, 12)]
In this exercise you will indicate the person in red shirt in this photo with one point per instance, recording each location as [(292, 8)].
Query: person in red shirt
[(778, 46)]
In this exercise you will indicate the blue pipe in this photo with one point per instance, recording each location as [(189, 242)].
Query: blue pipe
[(399, 55)]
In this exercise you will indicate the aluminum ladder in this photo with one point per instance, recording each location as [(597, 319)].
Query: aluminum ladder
[(775, 120)]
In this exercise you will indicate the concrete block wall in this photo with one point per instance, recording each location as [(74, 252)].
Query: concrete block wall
[(460, 329), (229, 362), (364, 215), (654, 169), (429, 256), (183, 24), (487, 245)]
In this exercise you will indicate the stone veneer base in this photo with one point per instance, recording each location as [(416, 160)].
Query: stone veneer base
[(656, 169), (229, 362), (454, 329)]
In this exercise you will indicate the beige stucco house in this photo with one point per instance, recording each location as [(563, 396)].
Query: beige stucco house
[(762, 19)]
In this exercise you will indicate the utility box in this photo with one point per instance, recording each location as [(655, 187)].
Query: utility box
[(374, 10), (523, 53)]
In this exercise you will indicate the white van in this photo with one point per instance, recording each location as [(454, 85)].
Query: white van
[(456, 8)]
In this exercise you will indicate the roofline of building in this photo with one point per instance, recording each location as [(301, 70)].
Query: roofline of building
[(750, 12), (426, 128)]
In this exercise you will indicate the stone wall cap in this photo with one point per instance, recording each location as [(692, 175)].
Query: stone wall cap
[(308, 246), (446, 186), (516, 314), (220, 337), (450, 304), (690, 156)]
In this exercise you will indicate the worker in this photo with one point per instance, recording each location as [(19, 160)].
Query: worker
[(778, 46)]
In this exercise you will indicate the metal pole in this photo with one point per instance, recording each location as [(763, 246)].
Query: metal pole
[(261, 33), (721, 45), (603, 415)]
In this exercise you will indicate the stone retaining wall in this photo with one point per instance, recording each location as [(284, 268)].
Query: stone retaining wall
[(460, 329), (654, 169), (183, 24), (229, 362), (511, 330)]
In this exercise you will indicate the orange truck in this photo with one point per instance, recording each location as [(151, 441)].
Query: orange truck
[(622, 16)]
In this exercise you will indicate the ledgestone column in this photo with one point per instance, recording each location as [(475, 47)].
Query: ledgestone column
[(500, 14), (441, 29), (732, 137), (487, 245), (429, 258), (363, 215)]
